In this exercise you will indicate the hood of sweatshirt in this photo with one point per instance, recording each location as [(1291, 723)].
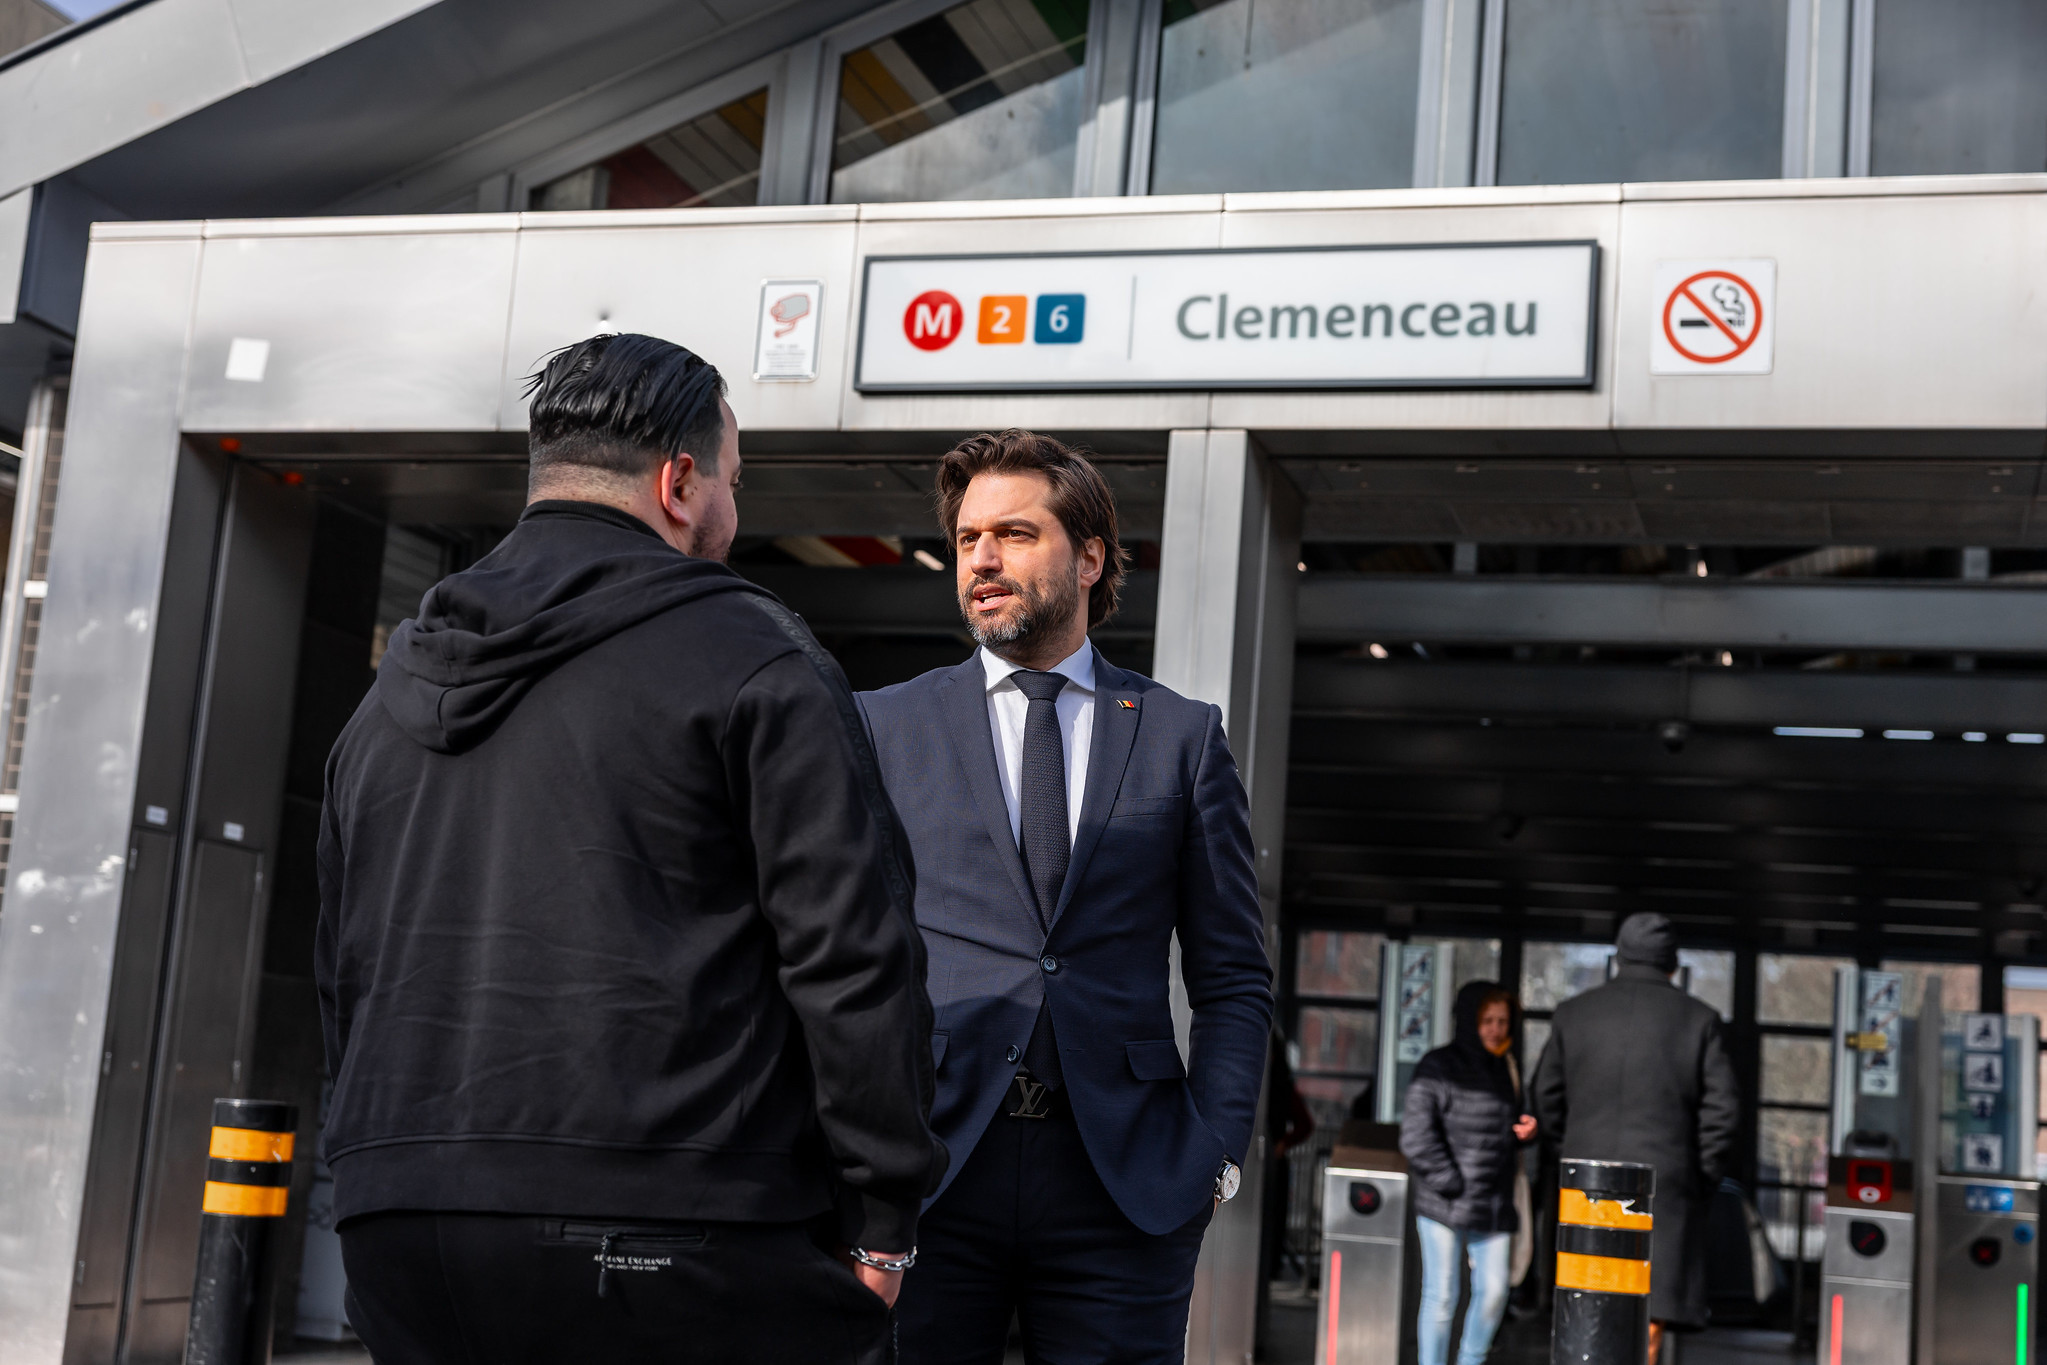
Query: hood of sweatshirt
[(570, 575)]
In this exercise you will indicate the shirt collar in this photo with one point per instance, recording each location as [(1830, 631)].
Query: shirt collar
[(1078, 668)]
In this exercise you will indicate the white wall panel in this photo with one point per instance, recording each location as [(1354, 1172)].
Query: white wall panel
[(694, 278)]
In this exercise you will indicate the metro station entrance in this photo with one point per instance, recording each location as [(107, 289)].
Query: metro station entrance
[(1498, 664)]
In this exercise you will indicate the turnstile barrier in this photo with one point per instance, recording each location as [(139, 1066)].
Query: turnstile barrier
[(1365, 1227)]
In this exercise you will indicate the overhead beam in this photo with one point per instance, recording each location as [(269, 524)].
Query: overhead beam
[(1912, 617), (1946, 703), (914, 601)]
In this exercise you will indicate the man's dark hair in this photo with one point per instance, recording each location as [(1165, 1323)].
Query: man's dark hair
[(623, 404), (1080, 499)]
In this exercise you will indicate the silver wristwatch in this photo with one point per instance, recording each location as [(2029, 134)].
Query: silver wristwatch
[(1228, 1181), (894, 1263)]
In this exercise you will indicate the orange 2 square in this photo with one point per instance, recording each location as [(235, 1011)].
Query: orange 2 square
[(1002, 319)]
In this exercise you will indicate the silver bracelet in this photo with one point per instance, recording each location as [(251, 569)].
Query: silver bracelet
[(893, 1263)]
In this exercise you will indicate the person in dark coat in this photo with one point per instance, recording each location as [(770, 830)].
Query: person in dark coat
[(1461, 1129), (1636, 1070)]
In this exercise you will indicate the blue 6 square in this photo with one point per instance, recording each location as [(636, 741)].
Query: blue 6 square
[(1062, 319)]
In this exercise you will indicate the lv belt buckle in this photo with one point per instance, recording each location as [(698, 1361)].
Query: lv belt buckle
[(1033, 1098)]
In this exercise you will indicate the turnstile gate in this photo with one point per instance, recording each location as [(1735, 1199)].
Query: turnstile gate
[(1366, 1222)]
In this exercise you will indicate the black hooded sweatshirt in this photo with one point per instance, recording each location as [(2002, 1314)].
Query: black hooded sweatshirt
[(614, 916), (1457, 1128)]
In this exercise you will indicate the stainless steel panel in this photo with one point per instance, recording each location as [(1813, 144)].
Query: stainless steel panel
[(1364, 1268), (1976, 1316), (1893, 1263), (1344, 1216), (693, 277), (1224, 633), (79, 767), (1934, 618), (392, 330), (1875, 1322), (201, 1027), (1944, 341)]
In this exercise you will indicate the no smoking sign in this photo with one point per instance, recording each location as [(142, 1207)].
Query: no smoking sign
[(1714, 317)]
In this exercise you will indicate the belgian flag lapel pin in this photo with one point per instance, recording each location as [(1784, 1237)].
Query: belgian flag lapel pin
[(1126, 703)]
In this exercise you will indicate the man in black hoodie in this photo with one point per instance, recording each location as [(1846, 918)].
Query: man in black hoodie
[(624, 1002)]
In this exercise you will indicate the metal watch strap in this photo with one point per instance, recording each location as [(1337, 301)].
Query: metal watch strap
[(893, 1263)]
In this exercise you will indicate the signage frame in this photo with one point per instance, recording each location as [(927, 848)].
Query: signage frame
[(1587, 378)]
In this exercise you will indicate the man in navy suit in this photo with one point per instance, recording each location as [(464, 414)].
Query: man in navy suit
[(1067, 818)]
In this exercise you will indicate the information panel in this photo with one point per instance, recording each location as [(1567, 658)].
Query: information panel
[(1492, 315)]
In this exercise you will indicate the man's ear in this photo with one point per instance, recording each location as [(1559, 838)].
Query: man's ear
[(674, 474)]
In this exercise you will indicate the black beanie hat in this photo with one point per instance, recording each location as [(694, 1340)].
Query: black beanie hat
[(1648, 939)]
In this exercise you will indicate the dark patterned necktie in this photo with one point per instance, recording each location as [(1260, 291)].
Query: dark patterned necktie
[(1046, 841)]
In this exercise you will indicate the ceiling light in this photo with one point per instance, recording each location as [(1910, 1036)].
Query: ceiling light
[(1908, 734), (1377, 651), (1816, 732), (1727, 658), (1701, 568), (929, 560), (1974, 736), (1302, 566), (2026, 739)]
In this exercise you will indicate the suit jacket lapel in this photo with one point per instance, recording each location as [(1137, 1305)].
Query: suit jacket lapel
[(964, 699), (1115, 730)]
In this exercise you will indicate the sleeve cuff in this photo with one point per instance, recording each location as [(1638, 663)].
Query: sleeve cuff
[(875, 1224)]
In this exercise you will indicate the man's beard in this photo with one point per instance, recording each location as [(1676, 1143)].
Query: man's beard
[(1035, 614)]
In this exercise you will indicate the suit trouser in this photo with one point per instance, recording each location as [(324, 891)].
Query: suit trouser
[(499, 1289), (1028, 1228)]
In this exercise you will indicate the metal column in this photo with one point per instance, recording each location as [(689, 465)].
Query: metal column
[(1225, 633)]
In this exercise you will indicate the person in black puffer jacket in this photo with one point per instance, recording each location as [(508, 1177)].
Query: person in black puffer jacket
[(1461, 1129)]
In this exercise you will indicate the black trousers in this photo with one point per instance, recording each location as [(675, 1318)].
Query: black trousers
[(495, 1289), (1028, 1229)]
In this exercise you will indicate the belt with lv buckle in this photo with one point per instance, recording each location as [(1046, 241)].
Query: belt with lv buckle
[(1030, 1098)]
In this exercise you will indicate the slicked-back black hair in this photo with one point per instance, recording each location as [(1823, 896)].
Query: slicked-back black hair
[(622, 403)]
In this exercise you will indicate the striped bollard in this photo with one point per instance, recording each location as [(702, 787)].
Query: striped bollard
[(1603, 1225), (248, 1182)]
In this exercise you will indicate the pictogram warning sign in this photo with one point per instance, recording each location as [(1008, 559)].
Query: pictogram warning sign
[(1713, 317)]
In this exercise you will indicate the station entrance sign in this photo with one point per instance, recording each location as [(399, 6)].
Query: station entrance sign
[(1714, 317), (1481, 315)]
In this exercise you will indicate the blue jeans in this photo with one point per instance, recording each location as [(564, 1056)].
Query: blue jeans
[(1442, 1248)]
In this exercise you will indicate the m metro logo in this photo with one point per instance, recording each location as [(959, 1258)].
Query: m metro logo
[(935, 319)]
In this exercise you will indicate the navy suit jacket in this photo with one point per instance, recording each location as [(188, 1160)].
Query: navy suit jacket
[(1164, 844)]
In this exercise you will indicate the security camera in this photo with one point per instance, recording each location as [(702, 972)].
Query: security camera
[(1674, 733)]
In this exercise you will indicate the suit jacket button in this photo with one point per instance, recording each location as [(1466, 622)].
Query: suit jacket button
[(1049, 963), (1013, 1053)]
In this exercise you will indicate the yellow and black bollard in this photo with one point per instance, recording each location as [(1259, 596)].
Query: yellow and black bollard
[(248, 1182), (1603, 1227)]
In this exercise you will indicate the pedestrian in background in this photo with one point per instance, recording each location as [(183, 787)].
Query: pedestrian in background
[(1462, 1127), (1636, 1070), (623, 1000)]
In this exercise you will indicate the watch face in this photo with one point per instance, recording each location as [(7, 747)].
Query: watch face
[(1230, 1179)]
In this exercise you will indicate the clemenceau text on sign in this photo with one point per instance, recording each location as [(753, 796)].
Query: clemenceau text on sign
[(1469, 315), (1287, 320)]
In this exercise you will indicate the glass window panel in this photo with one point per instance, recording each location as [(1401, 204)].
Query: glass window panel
[(982, 101), (1329, 1100), (1329, 963), (1599, 90), (2025, 992), (1552, 973), (1792, 988), (713, 161), (1961, 985), (1779, 1212), (1957, 87), (1534, 1038), (1797, 1070), (1791, 1146), (1301, 95), (1472, 959), (1339, 1040), (1712, 977)]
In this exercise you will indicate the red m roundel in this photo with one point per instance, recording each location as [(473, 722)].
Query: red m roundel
[(933, 320)]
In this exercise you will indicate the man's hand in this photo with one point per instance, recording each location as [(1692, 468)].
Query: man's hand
[(886, 1284), (1524, 1127)]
